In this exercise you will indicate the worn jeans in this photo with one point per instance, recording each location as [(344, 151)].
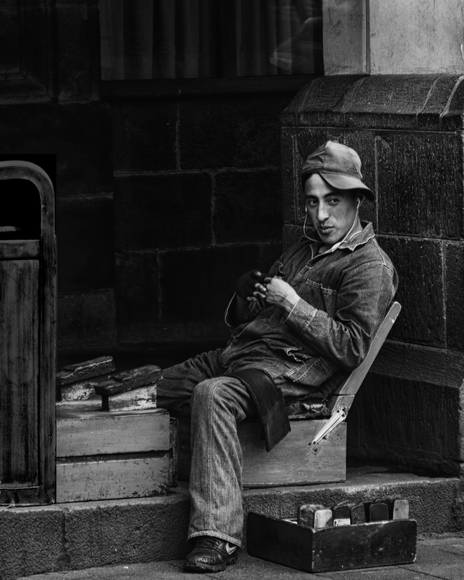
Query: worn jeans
[(217, 403)]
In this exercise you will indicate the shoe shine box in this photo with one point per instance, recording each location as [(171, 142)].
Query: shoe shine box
[(347, 547)]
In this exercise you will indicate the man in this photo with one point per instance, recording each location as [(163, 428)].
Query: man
[(300, 329)]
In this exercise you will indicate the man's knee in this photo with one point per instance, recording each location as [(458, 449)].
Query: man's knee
[(210, 391)]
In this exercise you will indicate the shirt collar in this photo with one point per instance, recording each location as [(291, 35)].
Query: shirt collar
[(357, 239)]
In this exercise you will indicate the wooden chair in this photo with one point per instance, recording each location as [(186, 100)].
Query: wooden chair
[(315, 449)]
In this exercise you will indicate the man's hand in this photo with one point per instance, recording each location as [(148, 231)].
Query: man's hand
[(277, 292), (246, 284)]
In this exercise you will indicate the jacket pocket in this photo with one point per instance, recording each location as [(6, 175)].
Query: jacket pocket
[(312, 373)]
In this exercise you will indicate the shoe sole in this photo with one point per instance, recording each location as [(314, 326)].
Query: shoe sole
[(206, 568)]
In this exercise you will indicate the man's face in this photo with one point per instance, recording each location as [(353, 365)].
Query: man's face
[(332, 211)]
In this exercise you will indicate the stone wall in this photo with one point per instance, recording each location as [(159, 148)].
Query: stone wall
[(408, 132), (197, 202)]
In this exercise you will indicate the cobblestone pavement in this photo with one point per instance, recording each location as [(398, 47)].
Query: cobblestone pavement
[(437, 557)]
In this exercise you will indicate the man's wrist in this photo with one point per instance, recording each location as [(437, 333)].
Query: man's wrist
[(290, 302)]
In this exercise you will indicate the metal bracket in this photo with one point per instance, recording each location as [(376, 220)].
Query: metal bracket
[(338, 417)]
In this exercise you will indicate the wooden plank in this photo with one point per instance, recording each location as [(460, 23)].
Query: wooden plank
[(85, 370), (19, 449), (82, 390), (19, 249), (93, 433), (129, 380), (140, 398), (292, 462), (94, 403), (329, 549), (112, 479)]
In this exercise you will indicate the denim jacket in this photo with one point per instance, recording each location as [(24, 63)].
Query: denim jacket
[(344, 296)]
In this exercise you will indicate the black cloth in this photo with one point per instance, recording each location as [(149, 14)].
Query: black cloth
[(269, 402)]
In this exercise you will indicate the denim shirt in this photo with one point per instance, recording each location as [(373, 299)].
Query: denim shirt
[(343, 297)]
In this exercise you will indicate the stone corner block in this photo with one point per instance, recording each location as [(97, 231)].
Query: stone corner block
[(126, 531), (32, 541)]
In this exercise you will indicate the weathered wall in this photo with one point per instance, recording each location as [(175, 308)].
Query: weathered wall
[(408, 132), (394, 37)]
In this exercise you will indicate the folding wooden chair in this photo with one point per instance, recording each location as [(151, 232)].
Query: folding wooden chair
[(315, 449)]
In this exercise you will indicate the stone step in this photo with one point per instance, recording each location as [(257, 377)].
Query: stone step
[(71, 536)]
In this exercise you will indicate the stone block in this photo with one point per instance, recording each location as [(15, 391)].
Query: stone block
[(162, 211), (323, 95), (436, 366), (420, 184), (78, 46), (83, 146), (389, 101), (240, 132), (420, 268), (32, 540), (454, 260), (196, 285), (247, 206), (79, 135), (426, 433), (430, 117), (140, 530), (137, 300), (85, 243), (86, 320), (144, 135)]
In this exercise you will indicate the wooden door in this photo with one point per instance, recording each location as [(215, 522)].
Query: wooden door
[(19, 315)]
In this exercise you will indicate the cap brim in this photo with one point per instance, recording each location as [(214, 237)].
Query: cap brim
[(346, 182)]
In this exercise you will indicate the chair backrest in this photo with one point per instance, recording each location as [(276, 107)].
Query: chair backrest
[(344, 394)]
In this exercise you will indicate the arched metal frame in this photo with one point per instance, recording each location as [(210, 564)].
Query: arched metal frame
[(42, 489)]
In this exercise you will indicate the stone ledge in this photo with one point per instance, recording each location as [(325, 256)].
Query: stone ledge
[(83, 535), (420, 102)]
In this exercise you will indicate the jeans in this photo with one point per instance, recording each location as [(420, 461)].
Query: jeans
[(217, 404)]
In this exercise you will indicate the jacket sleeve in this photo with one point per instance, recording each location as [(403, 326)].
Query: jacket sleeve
[(362, 300)]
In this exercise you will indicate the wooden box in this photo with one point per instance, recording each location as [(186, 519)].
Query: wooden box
[(330, 549), (292, 462), (112, 455)]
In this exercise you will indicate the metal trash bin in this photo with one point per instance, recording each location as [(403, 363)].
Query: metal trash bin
[(27, 334)]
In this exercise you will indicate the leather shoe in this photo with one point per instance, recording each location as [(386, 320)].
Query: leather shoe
[(211, 555)]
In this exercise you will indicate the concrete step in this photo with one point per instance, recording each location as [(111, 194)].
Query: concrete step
[(91, 534)]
